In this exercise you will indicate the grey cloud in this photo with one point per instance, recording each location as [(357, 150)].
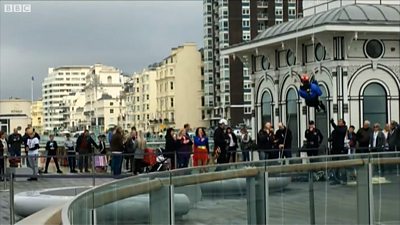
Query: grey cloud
[(127, 34)]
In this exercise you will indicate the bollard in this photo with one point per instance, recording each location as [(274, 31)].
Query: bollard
[(311, 197)]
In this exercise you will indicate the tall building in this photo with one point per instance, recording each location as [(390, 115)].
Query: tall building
[(179, 88), (141, 100), (73, 105), (59, 83), (104, 105), (227, 91), (37, 115)]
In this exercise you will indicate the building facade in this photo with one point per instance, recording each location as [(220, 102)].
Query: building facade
[(352, 51), (14, 113), (179, 88), (37, 115), (73, 111), (227, 82), (59, 83), (141, 100), (103, 91)]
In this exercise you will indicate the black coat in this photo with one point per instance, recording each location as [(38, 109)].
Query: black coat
[(337, 137), (394, 139), (90, 142), (284, 137), (265, 140), (314, 138), (363, 137), (220, 138), (51, 147)]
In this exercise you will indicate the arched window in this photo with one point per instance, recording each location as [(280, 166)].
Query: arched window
[(109, 79), (291, 115), (266, 107), (374, 104), (321, 118)]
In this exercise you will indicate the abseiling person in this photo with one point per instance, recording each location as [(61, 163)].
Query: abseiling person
[(311, 91)]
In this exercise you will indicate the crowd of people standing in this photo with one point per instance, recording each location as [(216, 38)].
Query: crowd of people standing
[(181, 148)]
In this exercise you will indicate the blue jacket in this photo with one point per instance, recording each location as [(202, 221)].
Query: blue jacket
[(312, 92)]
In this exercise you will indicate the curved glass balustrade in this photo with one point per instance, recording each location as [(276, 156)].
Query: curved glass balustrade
[(363, 189)]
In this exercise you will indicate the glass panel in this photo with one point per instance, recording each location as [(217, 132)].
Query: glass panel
[(291, 116), (266, 107), (374, 105)]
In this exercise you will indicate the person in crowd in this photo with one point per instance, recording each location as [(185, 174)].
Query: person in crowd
[(51, 148), (377, 139), (139, 153), (311, 91), (15, 142), (386, 132), (36, 134), (283, 138), (337, 137), (363, 137), (171, 144), (351, 140), (110, 133), (377, 144), (265, 142), (200, 148), (232, 145), (100, 160), (394, 136), (221, 141), (245, 144), (25, 138), (130, 147), (185, 148), (32, 146), (313, 138), (71, 153), (3, 151), (117, 148), (84, 145)]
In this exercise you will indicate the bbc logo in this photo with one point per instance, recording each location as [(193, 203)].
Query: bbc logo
[(17, 8)]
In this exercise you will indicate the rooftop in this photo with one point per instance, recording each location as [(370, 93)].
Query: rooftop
[(353, 15)]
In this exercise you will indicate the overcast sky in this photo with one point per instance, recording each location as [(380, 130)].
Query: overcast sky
[(127, 34)]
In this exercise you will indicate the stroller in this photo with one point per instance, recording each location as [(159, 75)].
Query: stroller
[(156, 161)]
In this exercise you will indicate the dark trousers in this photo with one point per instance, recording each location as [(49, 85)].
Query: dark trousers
[(15, 152), (83, 161), (286, 153), (130, 162), (138, 166), (232, 154), (245, 155), (49, 157), (116, 163), (183, 159), (71, 161), (223, 157), (2, 172)]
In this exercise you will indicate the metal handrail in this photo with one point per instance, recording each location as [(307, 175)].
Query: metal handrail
[(175, 179)]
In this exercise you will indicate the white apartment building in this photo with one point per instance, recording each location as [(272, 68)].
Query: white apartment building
[(73, 105), (59, 83), (179, 88), (104, 105), (141, 100)]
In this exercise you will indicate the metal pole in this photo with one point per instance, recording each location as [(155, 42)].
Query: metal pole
[(12, 215), (311, 197), (93, 171)]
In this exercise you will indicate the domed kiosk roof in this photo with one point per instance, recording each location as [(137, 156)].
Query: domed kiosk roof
[(347, 15)]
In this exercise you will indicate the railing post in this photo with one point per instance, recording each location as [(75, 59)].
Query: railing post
[(93, 170), (257, 199), (365, 207), (162, 206), (12, 214), (251, 201), (311, 196)]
